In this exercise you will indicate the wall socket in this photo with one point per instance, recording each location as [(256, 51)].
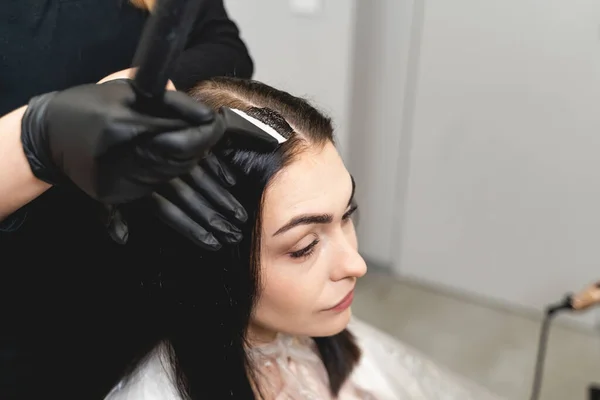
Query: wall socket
[(305, 7)]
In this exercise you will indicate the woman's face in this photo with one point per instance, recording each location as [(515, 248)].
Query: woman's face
[(309, 257)]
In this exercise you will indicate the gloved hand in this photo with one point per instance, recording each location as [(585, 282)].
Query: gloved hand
[(93, 136), (204, 192)]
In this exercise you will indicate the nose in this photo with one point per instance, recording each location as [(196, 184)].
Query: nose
[(348, 262)]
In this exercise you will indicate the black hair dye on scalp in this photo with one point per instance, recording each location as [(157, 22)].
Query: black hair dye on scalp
[(273, 119)]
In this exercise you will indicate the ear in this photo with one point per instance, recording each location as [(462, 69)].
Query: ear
[(144, 4)]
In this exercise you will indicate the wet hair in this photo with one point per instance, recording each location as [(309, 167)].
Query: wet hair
[(199, 303)]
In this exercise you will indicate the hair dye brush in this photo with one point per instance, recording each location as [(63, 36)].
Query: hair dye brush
[(163, 39), (587, 298), (162, 42)]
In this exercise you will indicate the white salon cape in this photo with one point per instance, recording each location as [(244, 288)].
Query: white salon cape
[(388, 370)]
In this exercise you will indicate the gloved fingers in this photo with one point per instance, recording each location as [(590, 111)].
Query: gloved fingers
[(178, 220), (159, 118), (116, 225), (176, 145), (219, 196), (141, 124), (152, 167), (177, 111), (177, 103), (188, 109), (200, 210), (191, 143), (219, 169)]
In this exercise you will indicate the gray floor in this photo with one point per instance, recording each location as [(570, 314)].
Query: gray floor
[(493, 347)]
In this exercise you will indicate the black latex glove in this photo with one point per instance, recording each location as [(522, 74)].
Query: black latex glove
[(198, 206), (93, 136)]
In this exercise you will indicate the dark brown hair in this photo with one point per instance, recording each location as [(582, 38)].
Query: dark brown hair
[(303, 125)]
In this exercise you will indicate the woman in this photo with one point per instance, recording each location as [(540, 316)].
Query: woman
[(270, 317)]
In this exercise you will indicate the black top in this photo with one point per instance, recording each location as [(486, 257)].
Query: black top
[(63, 284), (48, 45)]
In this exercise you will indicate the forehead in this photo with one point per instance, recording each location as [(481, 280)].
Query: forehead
[(316, 182)]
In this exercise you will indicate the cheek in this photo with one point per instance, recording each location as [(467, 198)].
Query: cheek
[(286, 290)]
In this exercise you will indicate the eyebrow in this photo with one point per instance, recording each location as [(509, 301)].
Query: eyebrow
[(313, 218)]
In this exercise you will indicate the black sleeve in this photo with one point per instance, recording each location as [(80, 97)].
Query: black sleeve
[(213, 49)]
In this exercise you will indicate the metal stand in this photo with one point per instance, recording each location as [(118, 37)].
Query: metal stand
[(594, 392)]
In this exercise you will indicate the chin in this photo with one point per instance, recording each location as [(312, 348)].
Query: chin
[(333, 324)]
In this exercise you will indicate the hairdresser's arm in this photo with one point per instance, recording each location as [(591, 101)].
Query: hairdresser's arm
[(214, 49), (129, 73), (18, 185)]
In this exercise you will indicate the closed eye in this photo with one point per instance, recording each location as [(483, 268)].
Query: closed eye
[(308, 250), (305, 252)]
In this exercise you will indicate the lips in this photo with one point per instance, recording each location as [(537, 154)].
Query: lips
[(344, 303)]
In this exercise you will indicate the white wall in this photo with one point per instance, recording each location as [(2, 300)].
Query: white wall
[(503, 195), (307, 55), (380, 81)]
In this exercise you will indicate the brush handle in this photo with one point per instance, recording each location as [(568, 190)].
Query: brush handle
[(163, 39), (587, 298)]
